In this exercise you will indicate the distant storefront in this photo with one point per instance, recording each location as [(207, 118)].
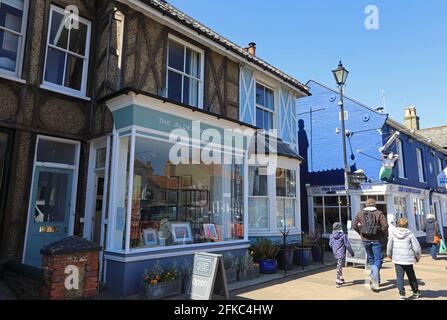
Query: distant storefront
[(327, 204)]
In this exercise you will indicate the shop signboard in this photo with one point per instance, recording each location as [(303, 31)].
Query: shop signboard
[(360, 256), (208, 277), (442, 178)]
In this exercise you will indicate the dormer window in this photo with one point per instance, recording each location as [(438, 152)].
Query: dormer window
[(185, 73)]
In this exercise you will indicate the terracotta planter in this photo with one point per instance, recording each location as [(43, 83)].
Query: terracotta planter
[(162, 290)]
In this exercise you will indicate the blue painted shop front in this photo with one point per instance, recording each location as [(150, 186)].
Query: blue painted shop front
[(410, 192)]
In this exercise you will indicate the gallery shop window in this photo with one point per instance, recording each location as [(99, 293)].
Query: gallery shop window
[(420, 164), (258, 200), (185, 73), (67, 56), (285, 198), (400, 208), (380, 202), (329, 209), (13, 16), (264, 107), (419, 213), (400, 161), (177, 204)]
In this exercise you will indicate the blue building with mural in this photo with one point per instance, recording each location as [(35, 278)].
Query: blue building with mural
[(411, 192)]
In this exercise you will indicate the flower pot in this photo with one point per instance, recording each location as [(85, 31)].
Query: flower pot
[(163, 290), (231, 275), (285, 258), (250, 273), (316, 254), (268, 266), (302, 256)]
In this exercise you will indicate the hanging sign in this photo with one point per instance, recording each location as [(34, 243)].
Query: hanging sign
[(208, 277), (442, 178)]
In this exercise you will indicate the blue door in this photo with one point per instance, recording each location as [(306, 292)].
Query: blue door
[(49, 212)]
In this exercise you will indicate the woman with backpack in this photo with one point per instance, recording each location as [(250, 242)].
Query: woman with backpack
[(432, 234)]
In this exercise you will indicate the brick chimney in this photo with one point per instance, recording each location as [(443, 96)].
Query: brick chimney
[(411, 120), (252, 48)]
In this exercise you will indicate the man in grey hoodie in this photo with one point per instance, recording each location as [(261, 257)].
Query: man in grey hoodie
[(404, 250)]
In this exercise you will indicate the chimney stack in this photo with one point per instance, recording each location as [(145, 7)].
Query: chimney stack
[(252, 48), (411, 119)]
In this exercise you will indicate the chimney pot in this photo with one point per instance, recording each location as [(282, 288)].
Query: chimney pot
[(252, 48)]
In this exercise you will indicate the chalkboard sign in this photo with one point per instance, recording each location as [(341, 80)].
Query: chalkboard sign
[(360, 256), (208, 277)]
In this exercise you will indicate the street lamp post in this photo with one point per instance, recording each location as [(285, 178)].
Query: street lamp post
[(341, 74)]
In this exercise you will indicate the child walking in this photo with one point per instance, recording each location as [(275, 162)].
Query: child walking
[(339, 243), (404, 250)]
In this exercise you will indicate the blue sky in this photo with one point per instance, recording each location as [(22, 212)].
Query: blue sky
[(406, 57)]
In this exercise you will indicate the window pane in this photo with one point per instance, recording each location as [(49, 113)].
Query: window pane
[(58, 31), (259, 118), (51, 197), (174, 86), (191, 91), (55, 66), (291, 183), (257, 182), (269, 99), (73, 74), (285, 213), (192, 63), (258, 213), (176, 56), (281, 182), (331, 216), (9, 46), (319, 223), (260, 96), (100, 158), (318, 201), (181, 204), (11, 15), (331, 201), (78, 39), (56, 152)]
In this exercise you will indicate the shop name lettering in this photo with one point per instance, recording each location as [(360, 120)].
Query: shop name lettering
[(403, 189), (174, 124)]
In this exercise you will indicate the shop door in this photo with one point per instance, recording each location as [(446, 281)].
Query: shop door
[(49, 211)]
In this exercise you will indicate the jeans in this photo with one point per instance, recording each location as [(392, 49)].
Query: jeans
[(400, 273), (434, 251), (374, 251)]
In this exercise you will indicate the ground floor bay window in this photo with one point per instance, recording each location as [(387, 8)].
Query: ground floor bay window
[(272, 200), (173, 204)]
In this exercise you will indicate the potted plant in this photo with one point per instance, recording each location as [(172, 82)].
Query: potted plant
[(231, 265), (264, 253), (317, 246), (246, 268), (286, 252), (303, 252), (159, 283)]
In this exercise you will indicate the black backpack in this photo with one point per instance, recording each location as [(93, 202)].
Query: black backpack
[(370, 225)]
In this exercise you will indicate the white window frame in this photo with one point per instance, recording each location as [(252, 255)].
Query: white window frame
[(260, 197), (183, 74), (17, 75), (284, 198), (62, 88), (401, 162), (421, 205), (324, 206), (258, 106), (74, 167), (420, 165)]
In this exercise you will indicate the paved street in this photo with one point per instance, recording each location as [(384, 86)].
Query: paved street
[(320, 285)]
